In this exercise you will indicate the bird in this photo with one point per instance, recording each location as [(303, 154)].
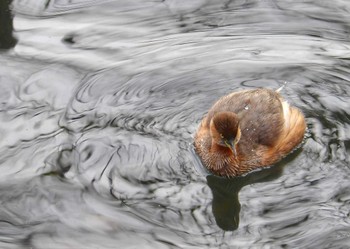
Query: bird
[(248, 130)]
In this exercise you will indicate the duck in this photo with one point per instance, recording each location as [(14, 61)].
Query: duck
[(247, 130)]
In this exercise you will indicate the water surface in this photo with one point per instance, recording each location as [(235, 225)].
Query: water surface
[(100, 101)]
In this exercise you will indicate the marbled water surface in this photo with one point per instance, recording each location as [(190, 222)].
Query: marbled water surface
[(100, 100)]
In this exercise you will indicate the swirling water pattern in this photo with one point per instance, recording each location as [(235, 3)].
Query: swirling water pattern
[(100, 100)]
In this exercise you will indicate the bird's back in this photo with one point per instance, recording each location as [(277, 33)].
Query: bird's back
[(260, 113)]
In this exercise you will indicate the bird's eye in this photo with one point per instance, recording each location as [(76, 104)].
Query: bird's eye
[(222, 136)]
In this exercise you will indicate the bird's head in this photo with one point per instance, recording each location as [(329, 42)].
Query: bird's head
[(225, 130)]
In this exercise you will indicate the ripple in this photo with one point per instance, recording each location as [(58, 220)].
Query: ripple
[(100, 100)]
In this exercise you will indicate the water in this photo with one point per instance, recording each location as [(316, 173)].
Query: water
[(100, 101)]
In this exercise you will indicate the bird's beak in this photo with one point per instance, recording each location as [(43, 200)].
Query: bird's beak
[(231, 146)]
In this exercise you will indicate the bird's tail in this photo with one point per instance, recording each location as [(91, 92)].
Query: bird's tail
[(294, 132)]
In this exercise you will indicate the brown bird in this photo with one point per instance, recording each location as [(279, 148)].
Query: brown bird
[(247, 130)]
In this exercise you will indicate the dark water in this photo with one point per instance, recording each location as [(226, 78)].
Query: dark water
[(99, 103)]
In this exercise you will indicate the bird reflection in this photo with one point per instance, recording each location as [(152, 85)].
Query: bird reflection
[(225, 205)]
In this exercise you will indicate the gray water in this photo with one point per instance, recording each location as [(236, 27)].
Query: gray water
[(100, 101)]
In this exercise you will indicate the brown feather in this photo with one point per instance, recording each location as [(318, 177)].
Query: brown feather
[(270, 129)]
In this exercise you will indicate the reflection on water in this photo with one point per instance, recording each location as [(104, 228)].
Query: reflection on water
[(99, 102), (225, 205)]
